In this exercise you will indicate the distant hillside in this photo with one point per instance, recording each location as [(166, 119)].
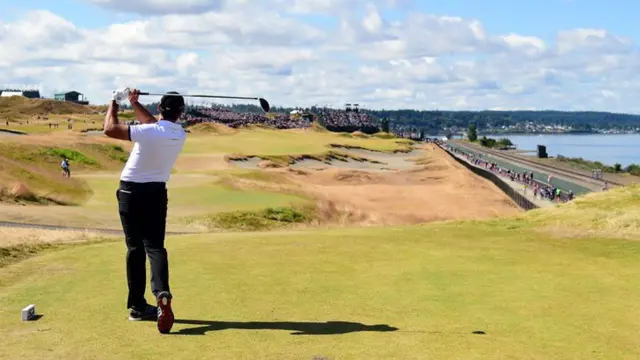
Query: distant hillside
[(436, 120), (17, 106)]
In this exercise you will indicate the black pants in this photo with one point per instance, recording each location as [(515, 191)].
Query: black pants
[(143, 213)]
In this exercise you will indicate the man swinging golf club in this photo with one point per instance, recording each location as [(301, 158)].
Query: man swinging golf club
[(142, 198)]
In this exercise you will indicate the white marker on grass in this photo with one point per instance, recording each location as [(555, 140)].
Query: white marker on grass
[(28, 312)]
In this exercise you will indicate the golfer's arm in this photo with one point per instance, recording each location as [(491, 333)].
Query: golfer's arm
[(142, 114), (112, 127)]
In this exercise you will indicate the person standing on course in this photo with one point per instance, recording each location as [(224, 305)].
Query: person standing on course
[(142, 198), (65, 167)]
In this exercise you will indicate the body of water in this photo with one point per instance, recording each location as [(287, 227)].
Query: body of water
[(608, 149)]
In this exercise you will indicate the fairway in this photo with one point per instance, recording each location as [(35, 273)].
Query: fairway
[(337, 294)]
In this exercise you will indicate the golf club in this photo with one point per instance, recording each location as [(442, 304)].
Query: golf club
[(264, 104)]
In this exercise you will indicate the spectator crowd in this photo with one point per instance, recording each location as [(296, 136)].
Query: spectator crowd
[(201, 114), (539, 188), (331, 119), (346, 121)]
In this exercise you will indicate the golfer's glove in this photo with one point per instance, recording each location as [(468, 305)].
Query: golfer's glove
[(119, 95)]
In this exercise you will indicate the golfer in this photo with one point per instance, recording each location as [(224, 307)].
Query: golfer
[(142, 198)]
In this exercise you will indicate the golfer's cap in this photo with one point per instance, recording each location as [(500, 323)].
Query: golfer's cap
[(171, 102)]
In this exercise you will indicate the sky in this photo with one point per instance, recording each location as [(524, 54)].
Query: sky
[(382, 54)]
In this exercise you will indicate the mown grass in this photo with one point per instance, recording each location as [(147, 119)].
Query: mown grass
[(189, 197), (384, 293), (269, 142)]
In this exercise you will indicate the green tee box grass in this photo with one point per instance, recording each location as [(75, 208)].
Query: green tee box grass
[(186, 198), (296, 295)]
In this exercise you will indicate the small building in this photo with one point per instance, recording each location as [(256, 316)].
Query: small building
[(72, 96)]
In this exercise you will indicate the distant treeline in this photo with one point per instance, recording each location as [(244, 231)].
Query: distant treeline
[(437, 120), (433, 121)]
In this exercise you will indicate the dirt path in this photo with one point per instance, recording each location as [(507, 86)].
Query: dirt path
[(10, 224)]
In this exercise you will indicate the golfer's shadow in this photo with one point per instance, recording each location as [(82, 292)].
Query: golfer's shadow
[(296, 328)]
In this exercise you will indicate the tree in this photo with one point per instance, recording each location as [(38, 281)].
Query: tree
[(472, 133), (617, 167), (385, 125), (505, 143)]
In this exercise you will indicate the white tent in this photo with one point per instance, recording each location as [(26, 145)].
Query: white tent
[(294, 112), (11, 93)]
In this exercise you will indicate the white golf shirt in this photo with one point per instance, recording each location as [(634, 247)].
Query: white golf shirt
[(155, 151)]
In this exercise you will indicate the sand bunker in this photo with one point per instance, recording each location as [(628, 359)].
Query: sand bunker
[(248, 163), (363, 160), (415, 195), (425, 185)]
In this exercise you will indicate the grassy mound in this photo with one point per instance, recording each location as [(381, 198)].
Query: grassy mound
[(211, 128), (17, 105), (31, 184), (404, 147), (385, 135), (260, 220), (35, 167), (615, 213)]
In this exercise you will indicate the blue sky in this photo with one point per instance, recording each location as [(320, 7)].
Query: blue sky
[(542, 18), (247, 50)]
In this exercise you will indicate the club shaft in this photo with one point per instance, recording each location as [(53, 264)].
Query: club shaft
[(205, 96)]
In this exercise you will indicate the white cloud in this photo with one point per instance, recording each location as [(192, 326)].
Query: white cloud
[(281, 50), (592, 40), (155, 7)]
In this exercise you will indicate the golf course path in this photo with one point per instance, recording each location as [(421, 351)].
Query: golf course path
[(73, 228)]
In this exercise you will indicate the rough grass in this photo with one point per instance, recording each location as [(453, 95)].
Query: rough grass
[(24, 106), (38, 185), (260, 220), (211, 128), (615, 213), (36, 165), (20, 243)]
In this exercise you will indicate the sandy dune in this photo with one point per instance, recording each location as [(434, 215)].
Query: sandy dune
[(438, 189)]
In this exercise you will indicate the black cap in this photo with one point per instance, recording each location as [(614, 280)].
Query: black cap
[(172, 102)]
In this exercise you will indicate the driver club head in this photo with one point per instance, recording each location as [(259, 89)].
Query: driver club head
[(264, 104)]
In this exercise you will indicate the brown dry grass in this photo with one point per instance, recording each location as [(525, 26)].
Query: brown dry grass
[(212, 128), (611, 214), (19, 236)]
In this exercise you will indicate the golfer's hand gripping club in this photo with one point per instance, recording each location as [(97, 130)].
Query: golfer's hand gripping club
[(119, 95)]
